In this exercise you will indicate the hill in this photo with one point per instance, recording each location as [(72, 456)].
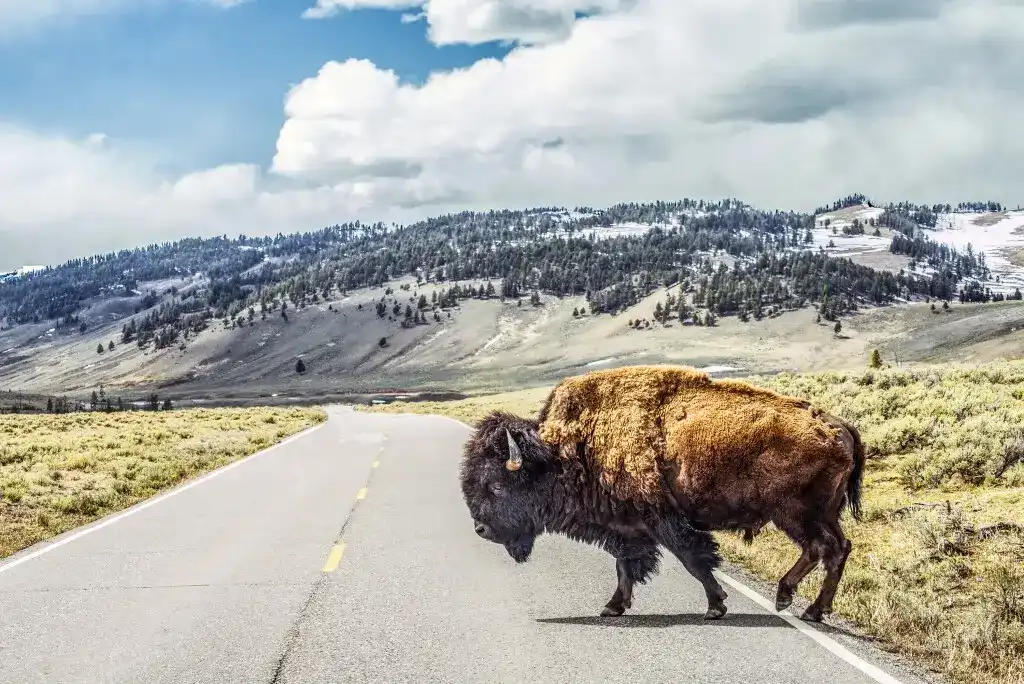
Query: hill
[(487, 300)]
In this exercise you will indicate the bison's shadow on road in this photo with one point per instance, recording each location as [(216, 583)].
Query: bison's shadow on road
[(660, 620), (663, 620)]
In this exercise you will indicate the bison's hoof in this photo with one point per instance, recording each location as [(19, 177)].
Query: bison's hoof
[(613, 611), (783, 600), (716, 612), (812, 614)]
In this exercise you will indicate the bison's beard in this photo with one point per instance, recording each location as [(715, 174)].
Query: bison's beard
[(520, 549)]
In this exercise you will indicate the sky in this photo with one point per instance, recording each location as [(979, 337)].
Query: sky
[(124, 122)]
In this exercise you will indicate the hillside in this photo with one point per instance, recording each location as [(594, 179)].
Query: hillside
[(484, 301)]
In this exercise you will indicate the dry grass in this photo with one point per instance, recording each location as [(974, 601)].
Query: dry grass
[(990, 218), (472, 409), (1015, 255), (61, 471), (921, 578)]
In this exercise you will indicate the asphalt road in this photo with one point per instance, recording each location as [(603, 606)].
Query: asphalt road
[(347, 555)]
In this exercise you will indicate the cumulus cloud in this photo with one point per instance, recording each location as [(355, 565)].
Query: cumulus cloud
[(61, 198), (480, 21), (786, 104), (816, 14)]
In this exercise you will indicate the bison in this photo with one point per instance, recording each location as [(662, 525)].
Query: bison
[(643, 457)]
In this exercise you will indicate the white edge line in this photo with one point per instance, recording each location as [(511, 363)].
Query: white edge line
[(823, 640), (141, 506)]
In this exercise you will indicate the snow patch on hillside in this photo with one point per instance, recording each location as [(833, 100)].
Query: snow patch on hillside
[(845, 217), (985, 232), (995, 240), (848, 245)]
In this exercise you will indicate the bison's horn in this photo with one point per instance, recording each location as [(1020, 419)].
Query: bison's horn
[(515, 456)]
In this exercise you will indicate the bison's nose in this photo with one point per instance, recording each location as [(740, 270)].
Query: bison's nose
[(483, 530)]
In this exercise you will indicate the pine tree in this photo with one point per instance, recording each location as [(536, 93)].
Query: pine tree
[(300, 367)]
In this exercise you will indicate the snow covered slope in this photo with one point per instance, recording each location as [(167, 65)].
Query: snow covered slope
[(996, 234)]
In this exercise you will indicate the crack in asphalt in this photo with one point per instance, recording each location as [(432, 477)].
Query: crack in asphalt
[(291, 637)]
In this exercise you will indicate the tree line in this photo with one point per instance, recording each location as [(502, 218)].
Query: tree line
[(735, 258)]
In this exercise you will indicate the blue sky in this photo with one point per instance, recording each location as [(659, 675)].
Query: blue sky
[(203, 85)]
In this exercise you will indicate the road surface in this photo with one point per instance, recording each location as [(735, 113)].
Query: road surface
[(347, 555)]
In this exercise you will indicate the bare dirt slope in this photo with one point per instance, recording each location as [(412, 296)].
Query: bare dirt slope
[(484, 345)]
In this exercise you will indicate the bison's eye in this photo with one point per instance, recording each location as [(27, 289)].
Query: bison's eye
[(496, 487)]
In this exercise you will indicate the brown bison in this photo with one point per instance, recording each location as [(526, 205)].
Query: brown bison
[(646, 456)]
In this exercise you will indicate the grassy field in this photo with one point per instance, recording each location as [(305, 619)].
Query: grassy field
[(61, 471), (941, 584)]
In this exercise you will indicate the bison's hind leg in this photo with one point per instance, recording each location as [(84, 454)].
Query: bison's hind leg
[(697, 550), (809, 537), (821, 541), (837, 550), (635, 563)]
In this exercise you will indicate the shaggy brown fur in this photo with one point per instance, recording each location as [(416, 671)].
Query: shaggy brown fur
[(640, 421)]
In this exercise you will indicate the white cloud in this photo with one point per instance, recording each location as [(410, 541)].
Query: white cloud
[(784, 103), (61, 198), (480, 21), (788, 104), (228, 183)]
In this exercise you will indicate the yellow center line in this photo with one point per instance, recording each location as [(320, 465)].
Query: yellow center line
[(334, 557), (362, 494)]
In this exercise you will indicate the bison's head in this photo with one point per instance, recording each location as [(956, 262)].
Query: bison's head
[(505, 470)]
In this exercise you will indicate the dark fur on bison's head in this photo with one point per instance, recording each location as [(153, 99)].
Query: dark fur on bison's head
[(506, 473)]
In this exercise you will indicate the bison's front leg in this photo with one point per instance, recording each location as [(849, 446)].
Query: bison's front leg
[(697, 550), (634, 564)]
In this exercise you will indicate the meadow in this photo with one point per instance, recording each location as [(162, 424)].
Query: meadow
[(58, 472), (937, 569)]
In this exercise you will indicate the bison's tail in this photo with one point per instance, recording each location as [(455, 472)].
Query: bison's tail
[(853, 486)]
